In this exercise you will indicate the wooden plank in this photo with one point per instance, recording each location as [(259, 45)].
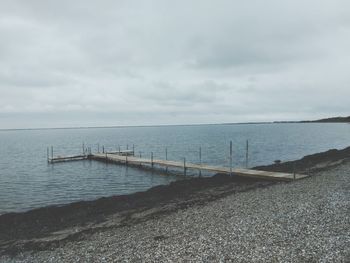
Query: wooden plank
[(122, 152)]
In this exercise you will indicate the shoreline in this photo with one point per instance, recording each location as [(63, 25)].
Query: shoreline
[(50, 227)]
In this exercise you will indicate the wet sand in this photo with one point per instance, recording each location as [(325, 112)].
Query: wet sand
[(59, 228)]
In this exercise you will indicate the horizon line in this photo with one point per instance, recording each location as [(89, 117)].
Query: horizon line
[(140, 126), (167, 125)]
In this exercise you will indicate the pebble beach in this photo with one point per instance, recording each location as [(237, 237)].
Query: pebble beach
[(301, 221)]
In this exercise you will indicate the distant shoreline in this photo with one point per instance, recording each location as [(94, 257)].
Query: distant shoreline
[(326, 120)]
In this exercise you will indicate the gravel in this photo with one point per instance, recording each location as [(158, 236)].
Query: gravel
[(301, 221)]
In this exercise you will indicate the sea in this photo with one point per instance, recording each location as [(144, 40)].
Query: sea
[(28, 181)]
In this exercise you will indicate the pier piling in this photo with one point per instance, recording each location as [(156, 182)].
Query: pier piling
[(200, 160), (184, 166), (231, 158), (47, 154), (166, 158), (294, 171), (246, 154)]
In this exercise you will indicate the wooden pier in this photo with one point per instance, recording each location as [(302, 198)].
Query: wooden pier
[(132, 160), (127, 157)]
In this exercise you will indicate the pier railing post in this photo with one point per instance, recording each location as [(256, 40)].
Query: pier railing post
[(103, 149), (184, 166), (294, 175), (152, 159), (246, 154), (83, 148), (133, 149), (200, 160), (51, 153), (230, 158), (166, 158), (47, 154)]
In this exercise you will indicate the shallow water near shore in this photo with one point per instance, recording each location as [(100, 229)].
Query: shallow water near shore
[(27, 181)]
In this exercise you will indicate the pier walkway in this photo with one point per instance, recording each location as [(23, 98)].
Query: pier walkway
[(108, 157)]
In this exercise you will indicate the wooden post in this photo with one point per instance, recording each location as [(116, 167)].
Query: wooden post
[(103, 149), (200, 160), (152, 159), (231, 158), (294, 171), (246, 154), (51, 153), (133, 150), (83, 149), (47, 154), (166, 158), (184, 166)]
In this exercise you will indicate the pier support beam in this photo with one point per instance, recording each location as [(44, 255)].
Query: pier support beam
[(166, 158), (231, 158), (184, 166), (200, 160), (294, 171), (246, 153)]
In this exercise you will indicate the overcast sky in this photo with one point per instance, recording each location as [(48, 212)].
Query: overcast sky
[(93, 63)]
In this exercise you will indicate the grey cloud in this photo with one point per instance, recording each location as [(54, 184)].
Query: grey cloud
[(179, 61)]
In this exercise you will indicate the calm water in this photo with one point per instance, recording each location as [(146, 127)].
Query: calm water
[(27, 181)]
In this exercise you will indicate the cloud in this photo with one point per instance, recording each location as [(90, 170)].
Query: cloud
[(118, 62)]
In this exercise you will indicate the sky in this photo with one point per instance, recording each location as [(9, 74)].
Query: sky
[(157, 62)]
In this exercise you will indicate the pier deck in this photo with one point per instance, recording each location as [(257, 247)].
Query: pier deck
[(60, 159), (201, 167)]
